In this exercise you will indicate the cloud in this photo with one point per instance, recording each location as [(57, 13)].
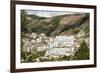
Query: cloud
[(47, 13)]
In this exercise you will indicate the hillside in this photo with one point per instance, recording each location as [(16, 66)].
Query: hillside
[(68, 24)]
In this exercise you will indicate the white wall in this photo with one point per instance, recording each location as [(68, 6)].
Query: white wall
[(5, 37)]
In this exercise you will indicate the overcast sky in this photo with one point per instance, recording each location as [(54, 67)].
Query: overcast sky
[(47, 13)]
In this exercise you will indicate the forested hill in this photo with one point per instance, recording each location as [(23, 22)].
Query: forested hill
[(58, 25)]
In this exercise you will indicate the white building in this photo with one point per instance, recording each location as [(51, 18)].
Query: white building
[(60, 52), (60, 41), (56, 46), (34, 35)]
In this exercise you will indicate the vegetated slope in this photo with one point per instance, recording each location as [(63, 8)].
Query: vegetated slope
[(67, 24)]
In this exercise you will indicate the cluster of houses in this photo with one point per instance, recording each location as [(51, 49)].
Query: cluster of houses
[(54, 46), (34, 41)]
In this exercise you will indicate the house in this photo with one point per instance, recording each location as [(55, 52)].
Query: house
[(42, 48), (43, 35), (33, 35), (81, 33)]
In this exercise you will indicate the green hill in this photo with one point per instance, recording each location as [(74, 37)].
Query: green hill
[(67, 24)]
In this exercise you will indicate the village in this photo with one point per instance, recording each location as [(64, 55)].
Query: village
[(55, 47)]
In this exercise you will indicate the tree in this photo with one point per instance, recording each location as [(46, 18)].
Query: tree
[(76, 30), (83, 52), (33, 55), (24, 21)]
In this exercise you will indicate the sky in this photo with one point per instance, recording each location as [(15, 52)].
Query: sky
[(42, 13)]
